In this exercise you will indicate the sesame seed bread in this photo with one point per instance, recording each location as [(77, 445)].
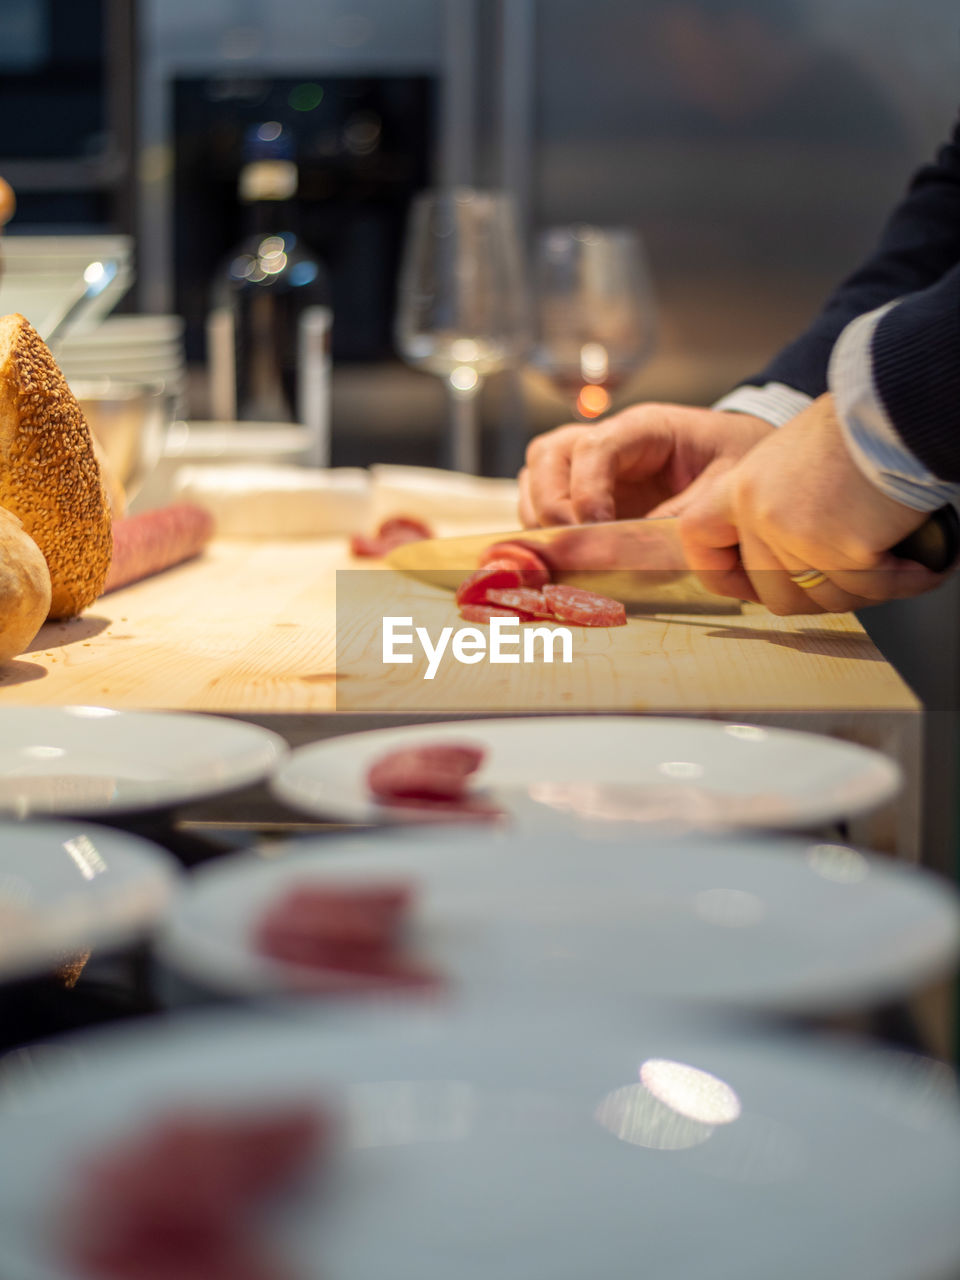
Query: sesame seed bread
[(24, 587), (49, 475)]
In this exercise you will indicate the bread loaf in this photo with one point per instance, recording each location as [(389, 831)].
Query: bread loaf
[(24, 587), (49, 476), (7, 202)]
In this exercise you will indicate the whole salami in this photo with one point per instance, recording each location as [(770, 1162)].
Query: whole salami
[(155, 540)]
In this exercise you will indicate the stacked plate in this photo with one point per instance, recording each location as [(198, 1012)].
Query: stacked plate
[(63, 283), (127, 349)]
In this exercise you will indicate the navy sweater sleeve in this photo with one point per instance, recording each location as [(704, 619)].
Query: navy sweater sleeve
[(919, 246), (915, 357)]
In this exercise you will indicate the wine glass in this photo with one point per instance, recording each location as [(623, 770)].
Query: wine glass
[(462, 309), (596, 314)]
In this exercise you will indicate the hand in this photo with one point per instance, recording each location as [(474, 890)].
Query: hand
[(647, 460), (798, 501)]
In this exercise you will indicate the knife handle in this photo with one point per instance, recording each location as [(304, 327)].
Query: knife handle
[(936, 544)]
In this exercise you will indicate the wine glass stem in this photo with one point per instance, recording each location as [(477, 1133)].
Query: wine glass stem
[(464, 442)]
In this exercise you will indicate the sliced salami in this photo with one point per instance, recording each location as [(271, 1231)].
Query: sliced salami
[(176, 1200), (584, 608), (482, 613), (533, 567), (358, 916), (392, 533), (473, 589), (404, 529), (525, 599), (437, 772)]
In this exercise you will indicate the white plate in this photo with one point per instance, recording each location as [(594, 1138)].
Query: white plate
[(771, 923), (477, 1149), (68, 887), (90, 760), (549, 770)]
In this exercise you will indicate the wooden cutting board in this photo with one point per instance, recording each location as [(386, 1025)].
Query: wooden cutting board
[(251, 626), (250, 629)]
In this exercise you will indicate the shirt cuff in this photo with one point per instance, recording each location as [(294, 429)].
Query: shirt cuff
[(774, 402), (869, 433)]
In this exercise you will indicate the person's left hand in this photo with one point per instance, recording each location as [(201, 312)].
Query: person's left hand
[(797, 502)]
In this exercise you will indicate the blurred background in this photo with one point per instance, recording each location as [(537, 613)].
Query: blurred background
[(754, 144)]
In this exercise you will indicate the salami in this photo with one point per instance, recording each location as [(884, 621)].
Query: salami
[(534, 570), (348, 930), (404, 529), (175, 1201), (525, 599), (156, 540), (482, 613), (392, 533), (438, 772), (473, 589), (584, 608), (366, 915)]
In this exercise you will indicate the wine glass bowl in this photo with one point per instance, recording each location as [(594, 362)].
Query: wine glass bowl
[(462, 309), (596, 315)]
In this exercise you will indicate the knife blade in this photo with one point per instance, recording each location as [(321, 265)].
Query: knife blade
[(639, 562)]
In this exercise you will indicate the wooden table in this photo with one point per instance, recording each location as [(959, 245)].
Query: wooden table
[(250, 630)]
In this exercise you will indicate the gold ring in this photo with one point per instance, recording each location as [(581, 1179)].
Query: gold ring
[(808, 578)]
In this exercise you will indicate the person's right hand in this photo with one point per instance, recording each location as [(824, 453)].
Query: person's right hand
[(646, 460)]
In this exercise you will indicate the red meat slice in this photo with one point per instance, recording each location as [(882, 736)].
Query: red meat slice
[(584, 608), (438, 772), (534, 569), (404, 528), (343, 929), (524, 599), (174, 1203), (482, 613), (392, 533), (360, 916), (363, 545), (473, 589)]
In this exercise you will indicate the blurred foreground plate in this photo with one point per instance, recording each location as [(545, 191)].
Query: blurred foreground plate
[(96, 760), (549, 770), (479, 1148), (761, 923), (70, 887)]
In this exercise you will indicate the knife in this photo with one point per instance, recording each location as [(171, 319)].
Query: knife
[(634, 561)]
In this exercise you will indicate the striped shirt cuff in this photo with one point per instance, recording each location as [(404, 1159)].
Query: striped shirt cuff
[(774, 402), (868, 431)]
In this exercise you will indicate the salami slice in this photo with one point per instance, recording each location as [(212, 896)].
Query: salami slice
[(584, 608), (175, 1200), (482, 613), (535, 571), (349, 930), (473, 589), (438, 772), (156, 540), (358, 916), (365, 547), (404, 529), (392, 533), (524, 599)]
